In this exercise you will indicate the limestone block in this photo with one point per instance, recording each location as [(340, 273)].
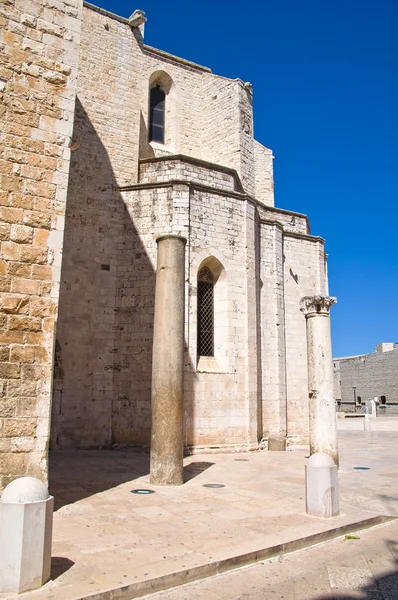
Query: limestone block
[(321, 486), (26, 515), (277, 444)]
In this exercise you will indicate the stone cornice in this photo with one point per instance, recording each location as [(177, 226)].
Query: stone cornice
[(197, 161), (174, 58), (104, 12), (220, 192), (147, 49), (316, 305)]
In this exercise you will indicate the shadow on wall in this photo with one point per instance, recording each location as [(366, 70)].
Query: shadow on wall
[(104, 330), (103, 358)]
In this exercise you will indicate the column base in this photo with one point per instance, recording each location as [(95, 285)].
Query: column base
[(276, 444)]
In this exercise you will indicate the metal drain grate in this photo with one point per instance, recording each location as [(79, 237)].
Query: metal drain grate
[(213, 485), (362, 468)]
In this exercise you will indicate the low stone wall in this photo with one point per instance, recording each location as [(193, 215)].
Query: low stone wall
[(384, 410)]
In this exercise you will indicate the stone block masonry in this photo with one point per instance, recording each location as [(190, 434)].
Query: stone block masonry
[(372, 375), (39, 49), (83, 182)]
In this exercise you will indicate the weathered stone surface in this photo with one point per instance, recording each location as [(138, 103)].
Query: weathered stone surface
[(371, 375), (167, 437), (38, 80), (94, 205), (322, 413)]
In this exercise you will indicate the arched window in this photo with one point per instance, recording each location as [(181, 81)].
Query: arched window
[(205, 312), (156, 115)]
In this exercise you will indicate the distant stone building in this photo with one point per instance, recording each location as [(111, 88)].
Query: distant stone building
[(107, 146), (367, 376)]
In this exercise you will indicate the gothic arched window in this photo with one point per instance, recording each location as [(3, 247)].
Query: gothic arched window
[(205, 312), (156, 115)]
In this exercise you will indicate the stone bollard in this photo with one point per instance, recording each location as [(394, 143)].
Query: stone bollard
[(26, 520), (374, 408), (321, 486)]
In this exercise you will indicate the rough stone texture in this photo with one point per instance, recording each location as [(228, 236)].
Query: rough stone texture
[(39, 46), (264, 177), (211, 183), (322, 415), (167, 436), (373, 375)]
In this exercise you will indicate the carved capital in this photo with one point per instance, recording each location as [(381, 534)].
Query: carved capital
[(316, 305)]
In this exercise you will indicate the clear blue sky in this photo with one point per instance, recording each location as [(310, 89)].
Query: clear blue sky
[(325, 79)]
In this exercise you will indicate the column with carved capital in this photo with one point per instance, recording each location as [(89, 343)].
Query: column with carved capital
[(322, 412)]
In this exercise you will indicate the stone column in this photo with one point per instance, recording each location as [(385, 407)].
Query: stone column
[(322, 412), (168, 363)]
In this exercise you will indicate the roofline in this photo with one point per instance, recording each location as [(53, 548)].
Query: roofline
[(149, 49), (353, 356)]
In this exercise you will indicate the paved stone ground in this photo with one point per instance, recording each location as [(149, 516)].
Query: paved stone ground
[(106, 537), (341, 569)]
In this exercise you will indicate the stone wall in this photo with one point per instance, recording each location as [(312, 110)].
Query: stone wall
[(304, 275), (216, 391), (121, 192), (104, 326), (264, 177), (373, 375), (39, 59)]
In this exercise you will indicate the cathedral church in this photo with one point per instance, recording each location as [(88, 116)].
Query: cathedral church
[(149, 285)]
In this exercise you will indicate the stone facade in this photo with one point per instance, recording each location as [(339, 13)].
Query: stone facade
[(358, 379), (40, 44), (82, 185)]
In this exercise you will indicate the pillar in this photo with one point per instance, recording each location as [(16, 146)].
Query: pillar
[(26, 521), (322, 412), (167, 438)]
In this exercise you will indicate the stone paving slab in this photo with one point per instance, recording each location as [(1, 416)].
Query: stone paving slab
[(348, 567), (112, 544)]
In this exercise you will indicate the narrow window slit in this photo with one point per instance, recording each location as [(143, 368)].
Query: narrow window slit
[(156, 115), (205, 313)]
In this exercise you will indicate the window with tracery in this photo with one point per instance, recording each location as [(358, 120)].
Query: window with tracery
[(156, 115), (205, 312)]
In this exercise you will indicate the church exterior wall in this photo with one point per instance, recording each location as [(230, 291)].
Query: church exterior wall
[(264, 180), (116, 193), (303, 275), (39, 56)]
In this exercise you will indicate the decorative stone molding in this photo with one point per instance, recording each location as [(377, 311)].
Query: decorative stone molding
[(316, 305), (137, 18)]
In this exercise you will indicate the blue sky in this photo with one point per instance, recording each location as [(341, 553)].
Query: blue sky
[(325, 100)]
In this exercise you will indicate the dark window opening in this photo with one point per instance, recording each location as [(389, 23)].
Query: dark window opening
[(383, 400), (359, 400), (205, 313), (156, 115)]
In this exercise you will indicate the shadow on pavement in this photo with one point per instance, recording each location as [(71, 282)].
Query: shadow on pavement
[(75, 475), (59, 566), (195, 468), (380, 588)]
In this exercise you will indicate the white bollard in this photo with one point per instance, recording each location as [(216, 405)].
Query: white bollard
[(374, 408), (366, 423), (321, 486), (26, 519)]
